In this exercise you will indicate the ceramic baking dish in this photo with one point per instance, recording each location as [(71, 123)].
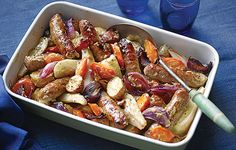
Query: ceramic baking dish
[(187, 46)]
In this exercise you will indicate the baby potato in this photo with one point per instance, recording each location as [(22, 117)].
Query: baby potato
[(75, 84), (39, 82), (73, 98), (116, 88), (65, 68)]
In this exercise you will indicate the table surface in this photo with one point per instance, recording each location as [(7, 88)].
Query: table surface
[(215, 24)]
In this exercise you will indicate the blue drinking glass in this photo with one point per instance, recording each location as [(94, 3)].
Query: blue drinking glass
[(178, 15), (132, 7)]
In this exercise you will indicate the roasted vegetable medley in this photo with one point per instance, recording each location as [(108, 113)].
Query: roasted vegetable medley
[(93, 73)]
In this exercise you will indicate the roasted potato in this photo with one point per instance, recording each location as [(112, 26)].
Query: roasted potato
[(116, 88), (65, 68)]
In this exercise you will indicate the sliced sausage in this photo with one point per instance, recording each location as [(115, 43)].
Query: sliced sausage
[(114, 113)]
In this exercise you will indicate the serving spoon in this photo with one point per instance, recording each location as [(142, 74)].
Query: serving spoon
[(205, 105)]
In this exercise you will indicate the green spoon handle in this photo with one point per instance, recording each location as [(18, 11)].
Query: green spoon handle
[(210, 109)]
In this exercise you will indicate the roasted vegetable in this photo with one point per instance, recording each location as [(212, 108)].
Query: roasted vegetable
[(102, 71), (151, 51), (113, 64), (48, 69), (65, 68), (75, 84), (133, 112), (160, 133), (92, 92), (82, 68), (95, 108), (24, 87), (129, 55), (113, 112), (196, 65), (59, 106), (136, 83), (164, 91), (40, 48), (143, 102), (116, 88), (73, 98), (118, 54), (174, 63), (52, 57), (157, 114)]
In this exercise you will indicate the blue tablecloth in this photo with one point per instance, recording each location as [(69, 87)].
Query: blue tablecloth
[(215, 24)]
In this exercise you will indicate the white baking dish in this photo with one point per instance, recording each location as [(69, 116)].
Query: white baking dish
[(187, 46)]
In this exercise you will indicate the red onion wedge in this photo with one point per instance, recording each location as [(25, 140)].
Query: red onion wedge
[(164, 91), (136, 83), (196, 65), (157, 114), (70, 28), (48, 69), (92, 92)]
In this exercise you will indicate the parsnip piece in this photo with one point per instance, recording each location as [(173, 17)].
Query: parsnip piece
[(73, 98), (75, 84), (133, 113), (115, 88), (65, 68), (113, 64)]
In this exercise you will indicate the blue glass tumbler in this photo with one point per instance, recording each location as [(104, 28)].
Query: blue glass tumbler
[(178, 15), (132, 7)]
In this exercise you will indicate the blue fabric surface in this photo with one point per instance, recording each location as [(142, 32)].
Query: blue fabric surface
[(11, 117), (215, 24)]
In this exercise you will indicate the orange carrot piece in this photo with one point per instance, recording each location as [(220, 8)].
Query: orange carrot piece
[(151, 51), (118, 54), (174, 63), (51, 57), (143, 102), (103, 71), (82, 68), (95, 108), (78, 113), (161, 133), (53, 49)]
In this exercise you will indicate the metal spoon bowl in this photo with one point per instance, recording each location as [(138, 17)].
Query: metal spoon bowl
[(206, 106)]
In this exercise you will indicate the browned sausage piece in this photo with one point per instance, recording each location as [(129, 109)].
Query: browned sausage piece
[(156, 72), (176, 106), (129, 55), (100, 52), (114, 113), (88, 31), (51, 91), (60, 38), (34, 63)]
